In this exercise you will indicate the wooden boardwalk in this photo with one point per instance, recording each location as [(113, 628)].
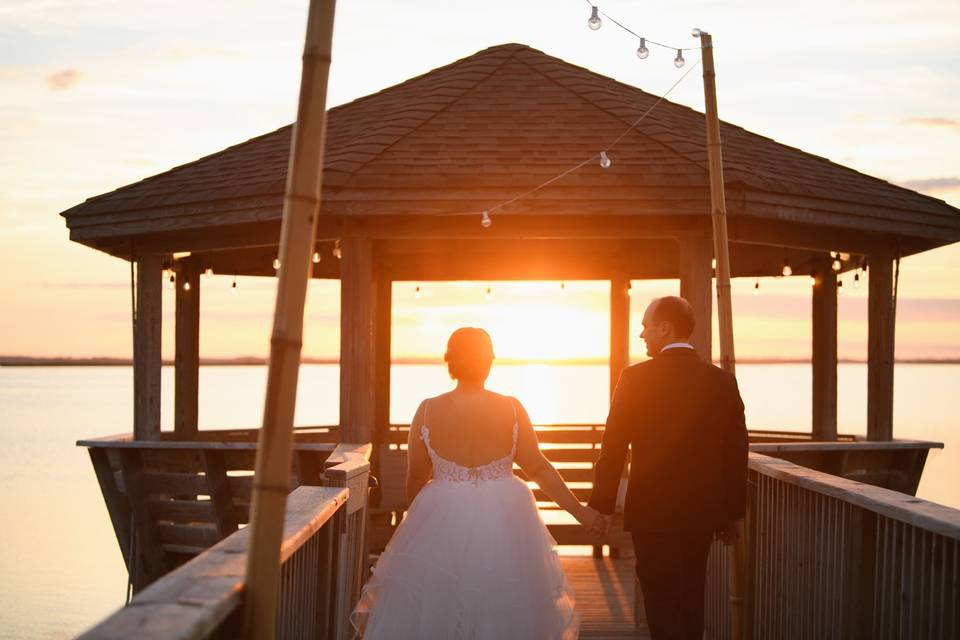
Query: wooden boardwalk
[(604, 591)]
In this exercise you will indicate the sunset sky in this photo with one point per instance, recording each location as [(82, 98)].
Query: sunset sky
[(99, 93)]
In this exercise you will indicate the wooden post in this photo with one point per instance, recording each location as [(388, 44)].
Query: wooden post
[(357, 342), (382, 338), (187, 359), (724, 304), (301, 207), (146, 348), (619, 328), (824, 424), (696, 285), (880, 349)]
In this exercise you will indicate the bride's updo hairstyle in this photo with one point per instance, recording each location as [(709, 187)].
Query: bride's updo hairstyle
[(469, 354)]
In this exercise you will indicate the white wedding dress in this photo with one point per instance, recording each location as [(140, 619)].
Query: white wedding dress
[(472, 560)]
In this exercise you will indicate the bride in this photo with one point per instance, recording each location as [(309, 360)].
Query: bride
[(472, 559)]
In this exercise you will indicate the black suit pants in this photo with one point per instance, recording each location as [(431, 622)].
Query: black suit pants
[(672, 569)]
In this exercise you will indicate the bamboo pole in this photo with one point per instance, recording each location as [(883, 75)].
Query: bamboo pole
[(301, 207), (724, 306)]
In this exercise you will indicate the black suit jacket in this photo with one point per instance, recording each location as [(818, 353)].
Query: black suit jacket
[(683, 419)]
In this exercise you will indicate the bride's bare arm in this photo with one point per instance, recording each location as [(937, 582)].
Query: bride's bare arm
[(419, 467), (539, 469)]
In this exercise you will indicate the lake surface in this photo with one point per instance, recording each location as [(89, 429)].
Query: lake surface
[(60, 567)]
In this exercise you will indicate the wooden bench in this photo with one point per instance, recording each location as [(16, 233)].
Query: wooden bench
[(170, 500), (573, 449)]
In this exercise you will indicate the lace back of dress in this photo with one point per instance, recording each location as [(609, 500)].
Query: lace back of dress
[(449, 470)]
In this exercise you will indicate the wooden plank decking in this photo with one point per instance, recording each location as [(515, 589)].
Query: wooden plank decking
[(604, 592)]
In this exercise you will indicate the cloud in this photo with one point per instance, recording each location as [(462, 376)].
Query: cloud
[(932, 184), (62, 80), (946, 123)]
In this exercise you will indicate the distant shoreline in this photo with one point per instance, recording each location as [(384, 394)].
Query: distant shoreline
[(28, 361)]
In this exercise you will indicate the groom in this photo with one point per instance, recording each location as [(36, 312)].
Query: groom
[(683, 420)]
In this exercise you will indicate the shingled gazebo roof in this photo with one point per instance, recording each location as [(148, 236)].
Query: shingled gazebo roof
[(476, 132)]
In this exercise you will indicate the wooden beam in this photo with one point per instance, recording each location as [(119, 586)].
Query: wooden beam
[(187, 356), (146, 348), (824, 402), (619, 328), (696, 285), (880, 349), (357, 344)]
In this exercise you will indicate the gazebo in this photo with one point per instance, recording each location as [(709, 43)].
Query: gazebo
[(409, 172)]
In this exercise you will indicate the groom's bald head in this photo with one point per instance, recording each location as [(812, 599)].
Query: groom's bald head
[(667, 320), (677, 311)]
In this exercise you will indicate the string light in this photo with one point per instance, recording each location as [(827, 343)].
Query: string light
[(856, 279), (756, 287), (679, 61), (166, 273), (713, 263), (833, 255), (276, 264), (642, 51), (840, 287), (605, 160), (208, 272), (837, 265), (337, 251), (186, 286), (485, 220), (630, 289), (416, 293), (563, 286), (594, 22), (172, 281), (233, 287), (316, 257), (813, 280), (843, 256), (787, 270), (489, 293)]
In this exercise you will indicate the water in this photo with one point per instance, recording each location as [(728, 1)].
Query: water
[(60, 566)]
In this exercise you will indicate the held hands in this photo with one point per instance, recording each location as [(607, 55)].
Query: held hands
[(596, 524)]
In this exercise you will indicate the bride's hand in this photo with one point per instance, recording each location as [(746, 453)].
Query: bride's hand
[(592, 520)]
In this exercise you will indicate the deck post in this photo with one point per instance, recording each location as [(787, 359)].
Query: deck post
[(146, 348), (824, 401), (619, 328), (880, 349), (358, 382), (187, 357), (696, 284)]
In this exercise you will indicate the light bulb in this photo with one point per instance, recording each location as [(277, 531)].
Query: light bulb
[(813, 281), (839, 287), (166, 273), (756, 287), (563, 286), (642, 51), (787, 270), (679, 61), (605, 160), (209, 272), (416, 293), (233, 287), (856, 280), (837, 265), (186, 286), (276, 264), (316, 257), (713, 263), (489, 293), (170, 284), (833, 254), (695, 32), (485, 220), (594, 21), (630, 289), (337, 252), (843, 256)]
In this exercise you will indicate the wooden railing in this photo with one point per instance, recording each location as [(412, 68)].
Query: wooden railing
[(833, 558), (322, 568)]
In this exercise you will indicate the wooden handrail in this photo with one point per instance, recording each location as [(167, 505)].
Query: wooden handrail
[(916, 512)]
